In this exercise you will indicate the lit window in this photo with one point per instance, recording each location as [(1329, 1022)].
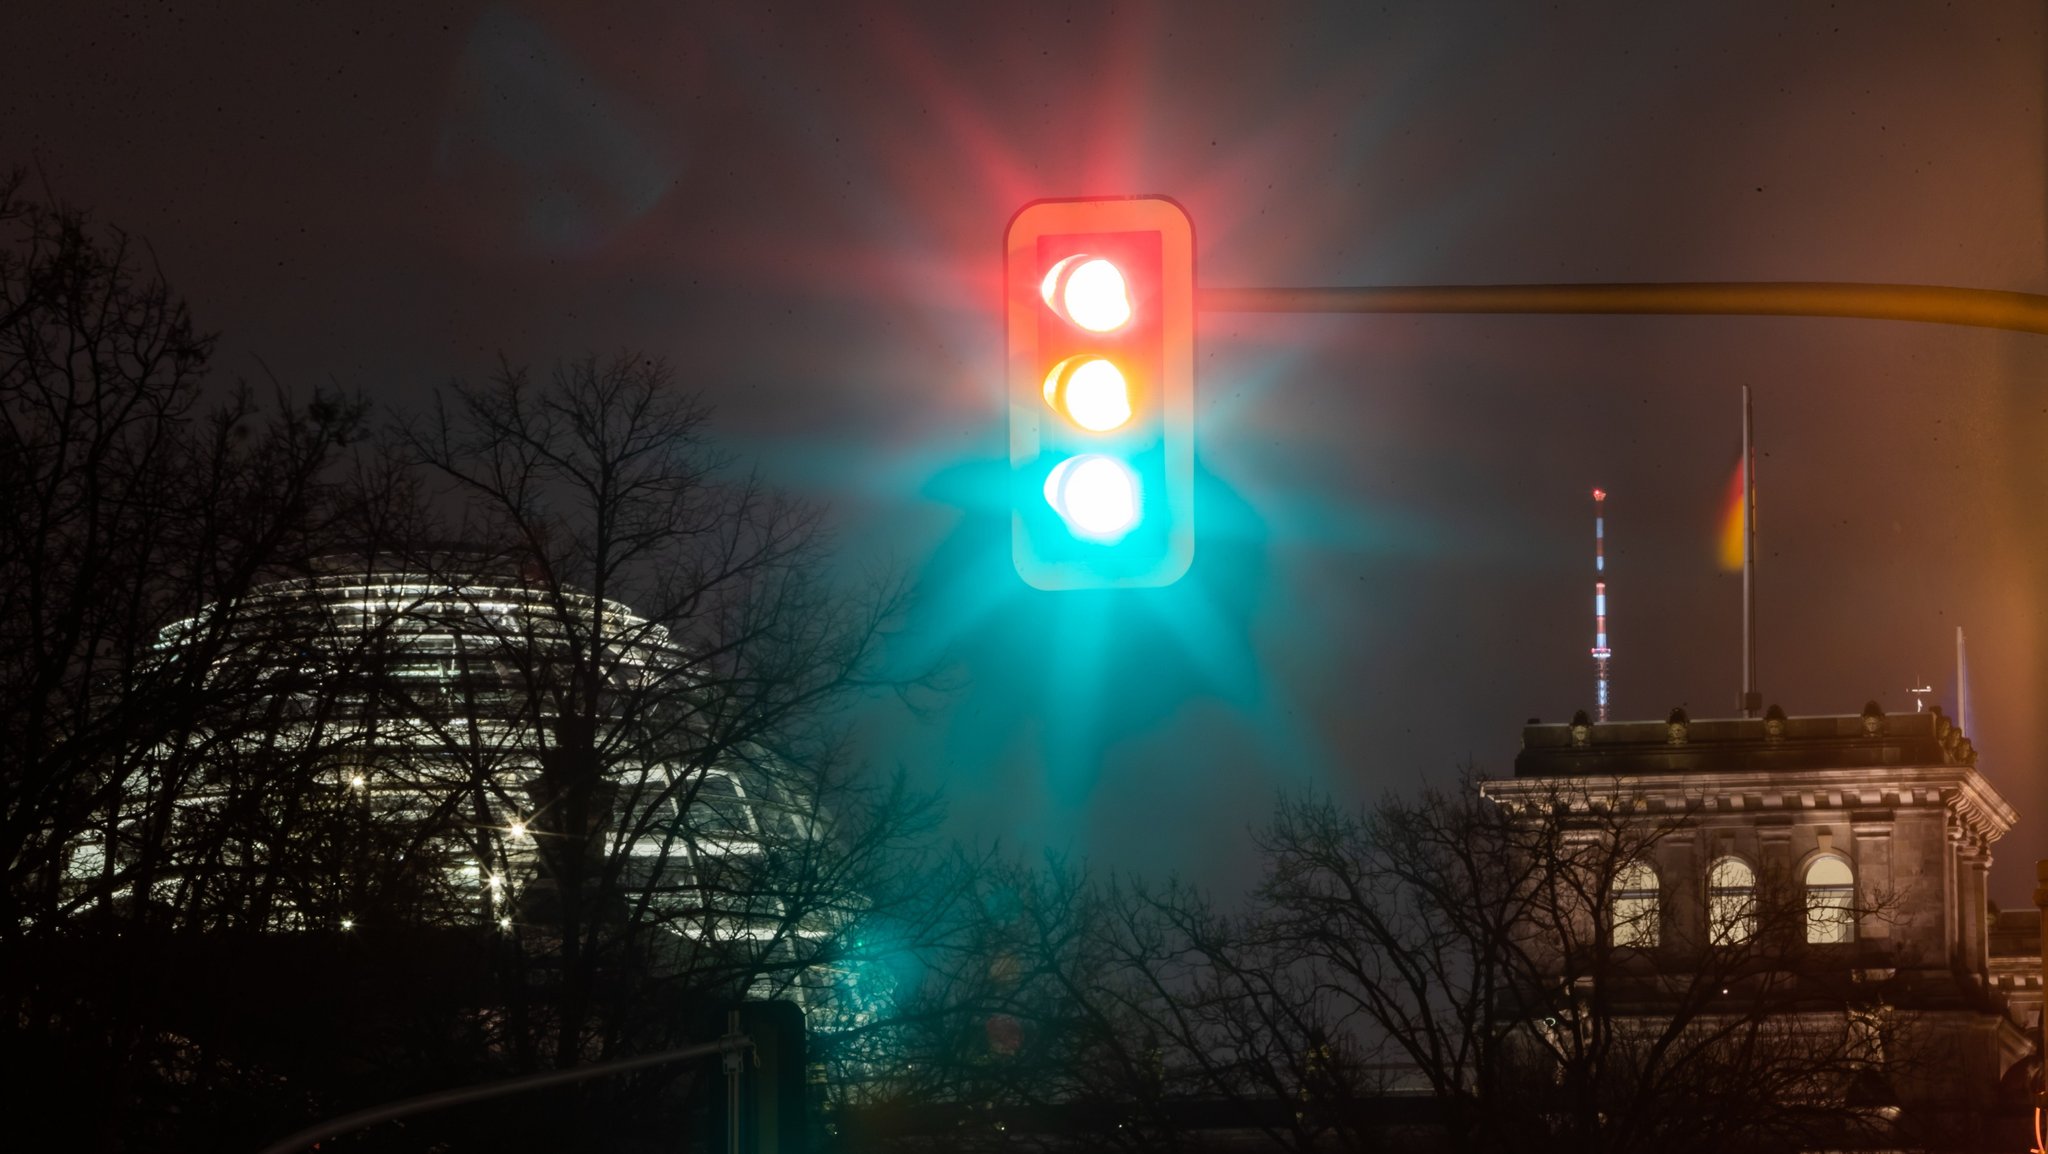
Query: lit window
[(1830, 901), (720, 810), (1635, 906), (1731, 902)]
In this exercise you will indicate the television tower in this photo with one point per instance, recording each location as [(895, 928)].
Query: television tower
[(1601, 653)]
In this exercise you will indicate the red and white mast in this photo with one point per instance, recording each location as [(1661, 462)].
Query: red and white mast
[(1601, 653)]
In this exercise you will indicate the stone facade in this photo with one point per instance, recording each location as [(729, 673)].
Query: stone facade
[(1883, 824)]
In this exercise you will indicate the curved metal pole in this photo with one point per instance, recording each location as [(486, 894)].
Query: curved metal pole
[(444, 1098), (1980, 308)]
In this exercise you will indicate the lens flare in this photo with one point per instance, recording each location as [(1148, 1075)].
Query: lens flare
[(1088, 291), (1091, 391), (1096, 495)]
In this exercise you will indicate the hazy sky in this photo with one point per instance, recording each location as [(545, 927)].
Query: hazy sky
[(802, 206)]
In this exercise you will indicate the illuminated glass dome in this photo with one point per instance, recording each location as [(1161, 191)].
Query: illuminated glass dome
[(378, 755), (384, 754)]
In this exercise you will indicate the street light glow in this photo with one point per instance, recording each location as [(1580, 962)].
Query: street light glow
[(1091, 391), (1089, 291)]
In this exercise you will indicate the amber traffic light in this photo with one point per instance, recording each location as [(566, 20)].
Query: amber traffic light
[(1101, 311)]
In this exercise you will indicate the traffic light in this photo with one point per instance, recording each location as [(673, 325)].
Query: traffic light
[(1101, 321)]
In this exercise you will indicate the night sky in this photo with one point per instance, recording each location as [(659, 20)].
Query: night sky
[(802, 207)]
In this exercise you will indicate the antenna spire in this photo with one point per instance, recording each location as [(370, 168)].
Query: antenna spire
[(1963, 717), (1601, 653)]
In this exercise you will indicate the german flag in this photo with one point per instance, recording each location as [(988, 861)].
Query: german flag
[(1732, 540)]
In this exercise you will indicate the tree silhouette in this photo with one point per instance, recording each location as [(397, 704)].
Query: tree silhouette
[(129, 502), (1495, 974)]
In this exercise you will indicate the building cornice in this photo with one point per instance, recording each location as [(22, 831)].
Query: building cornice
[(1861, 793)]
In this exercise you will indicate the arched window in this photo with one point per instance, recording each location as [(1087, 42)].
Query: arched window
[(1830, 901), (1635, 906), (1731, 902)]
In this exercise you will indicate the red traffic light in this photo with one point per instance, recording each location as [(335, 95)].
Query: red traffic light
[(1101, 370)]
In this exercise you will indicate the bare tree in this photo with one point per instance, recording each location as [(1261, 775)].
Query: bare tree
[(1069, 1011), (1020, 1022), (617, 804), (1509, 969), (129, 502), (670, 763), (1502, 954), (126, 504)]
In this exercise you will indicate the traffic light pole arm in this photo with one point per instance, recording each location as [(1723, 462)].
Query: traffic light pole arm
[(1982, 308)]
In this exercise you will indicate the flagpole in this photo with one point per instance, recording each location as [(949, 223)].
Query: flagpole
[(1752, 701)]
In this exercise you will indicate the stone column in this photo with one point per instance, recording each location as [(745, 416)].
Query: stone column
[(1683, 876), (2041, 903), (1952, 900), (1974, 893), (1874, 891), (1780, 899)]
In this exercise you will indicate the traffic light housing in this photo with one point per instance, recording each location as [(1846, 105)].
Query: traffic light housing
[(1101, 326)]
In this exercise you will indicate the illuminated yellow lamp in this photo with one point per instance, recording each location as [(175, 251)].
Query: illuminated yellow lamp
[(357, 781), (504, 923), (1097, 496), (348, 923), (518, 830), (1088, 291), (497, 883), (1091, 391)]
